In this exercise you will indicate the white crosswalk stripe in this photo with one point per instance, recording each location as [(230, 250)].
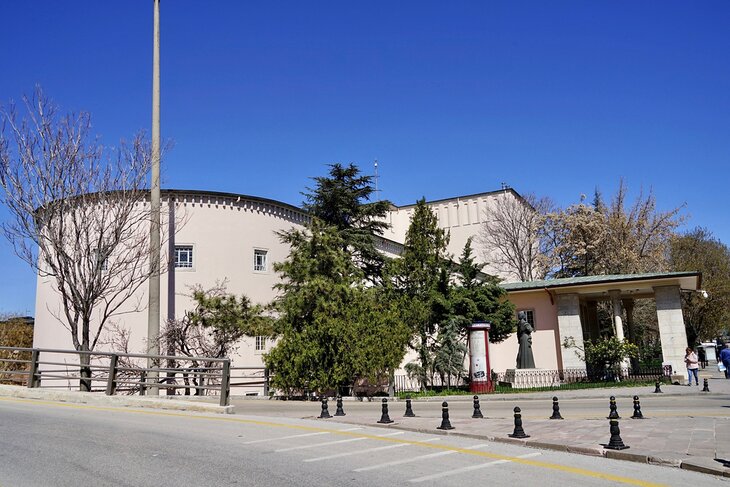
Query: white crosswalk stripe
[(328, 443), (303, 435), (367, 450), (470, 468), (415, 459)]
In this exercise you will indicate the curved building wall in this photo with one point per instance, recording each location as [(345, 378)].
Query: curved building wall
[(224, 231)]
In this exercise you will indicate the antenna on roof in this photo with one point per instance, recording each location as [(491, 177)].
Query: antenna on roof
[(505, 186), (377, 195)]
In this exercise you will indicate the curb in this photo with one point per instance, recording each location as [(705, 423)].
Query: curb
[(97, 399), (700, 465)]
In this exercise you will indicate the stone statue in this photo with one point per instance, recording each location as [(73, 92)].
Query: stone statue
[(525, 360)]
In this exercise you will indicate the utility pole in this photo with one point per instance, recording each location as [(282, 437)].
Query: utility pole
[(153, 323), (377, 195)]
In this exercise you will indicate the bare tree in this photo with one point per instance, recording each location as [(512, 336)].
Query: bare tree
[(78, 214), (638, 234), (513, 235), (212, 329), (619, 238)]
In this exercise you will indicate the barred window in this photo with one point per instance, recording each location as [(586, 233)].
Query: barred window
[(260, 260), (184, 256)]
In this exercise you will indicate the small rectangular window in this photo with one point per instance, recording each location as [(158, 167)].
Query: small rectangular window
[(260, 344), (184, 256), (529, 316), (259, 260)]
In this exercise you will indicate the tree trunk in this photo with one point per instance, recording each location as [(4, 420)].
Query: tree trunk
[(85, 372), (423, 352), (85, 358)]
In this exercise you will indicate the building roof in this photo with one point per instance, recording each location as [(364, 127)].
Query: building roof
[(686, 280), (464, 197)]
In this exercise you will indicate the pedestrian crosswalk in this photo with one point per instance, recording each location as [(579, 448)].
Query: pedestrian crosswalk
[(361, 451)]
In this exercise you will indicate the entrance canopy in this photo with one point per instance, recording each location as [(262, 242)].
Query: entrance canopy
[(634, 285), (574, 301)]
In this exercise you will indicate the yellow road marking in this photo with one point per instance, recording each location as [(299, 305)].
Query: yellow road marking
[(465, 451)]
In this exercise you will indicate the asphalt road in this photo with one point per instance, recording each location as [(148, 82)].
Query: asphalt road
[(57, 444)]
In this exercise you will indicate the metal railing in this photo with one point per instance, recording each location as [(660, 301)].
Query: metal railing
[(115, 373), (568, 378)]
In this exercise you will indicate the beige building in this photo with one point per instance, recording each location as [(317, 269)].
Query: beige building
[(232, 238)]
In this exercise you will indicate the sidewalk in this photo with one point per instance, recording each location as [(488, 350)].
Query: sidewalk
[(683, 427)]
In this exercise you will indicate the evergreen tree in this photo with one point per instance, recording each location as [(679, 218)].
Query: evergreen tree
[(450, 352), (420, 280), (342, 200), (479, 298), (332, 328)]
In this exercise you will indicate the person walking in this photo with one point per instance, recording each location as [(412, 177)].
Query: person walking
[(702, 355), (725, 359), (692, 362)]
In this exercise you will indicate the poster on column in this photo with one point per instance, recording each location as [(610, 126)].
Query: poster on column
[(478, 355)]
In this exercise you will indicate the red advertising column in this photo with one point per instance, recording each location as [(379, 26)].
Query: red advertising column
[(479, 370)]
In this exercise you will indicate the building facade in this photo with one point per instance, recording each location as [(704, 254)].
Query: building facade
[(232, 239)]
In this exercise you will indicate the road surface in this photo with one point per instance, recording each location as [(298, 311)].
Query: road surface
[(58, 444)]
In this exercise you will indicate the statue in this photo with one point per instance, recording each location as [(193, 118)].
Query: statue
[(525, 360)]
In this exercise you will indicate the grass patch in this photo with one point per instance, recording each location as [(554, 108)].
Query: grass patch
[(508, 390)]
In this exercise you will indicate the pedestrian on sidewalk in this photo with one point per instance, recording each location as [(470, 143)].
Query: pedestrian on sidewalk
[(702, 355), (725, 359), (692, 362)]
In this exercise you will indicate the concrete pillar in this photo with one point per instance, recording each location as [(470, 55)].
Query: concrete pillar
[(671, 326), (618, 324), (569, 326)]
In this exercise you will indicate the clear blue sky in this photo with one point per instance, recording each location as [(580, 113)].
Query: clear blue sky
[(554, 98)]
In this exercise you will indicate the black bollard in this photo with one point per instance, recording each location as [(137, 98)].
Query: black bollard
[(615, 443), (409, 410), (477, 409), (637, 409), (613, 408), (384, 418), (705, 385), (556, 409), (339, 411), (325, 410), (445, 423), (518, 432), (657, 388)]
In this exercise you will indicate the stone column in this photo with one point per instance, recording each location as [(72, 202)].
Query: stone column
[(671, 326), (618, 324), (569, 326)]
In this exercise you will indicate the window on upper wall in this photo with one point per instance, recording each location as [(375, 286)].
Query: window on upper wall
[(260, 344), (260, 261), (184, 256), (529, 316)]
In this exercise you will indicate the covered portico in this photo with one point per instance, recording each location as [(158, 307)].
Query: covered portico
[(574, 302)]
